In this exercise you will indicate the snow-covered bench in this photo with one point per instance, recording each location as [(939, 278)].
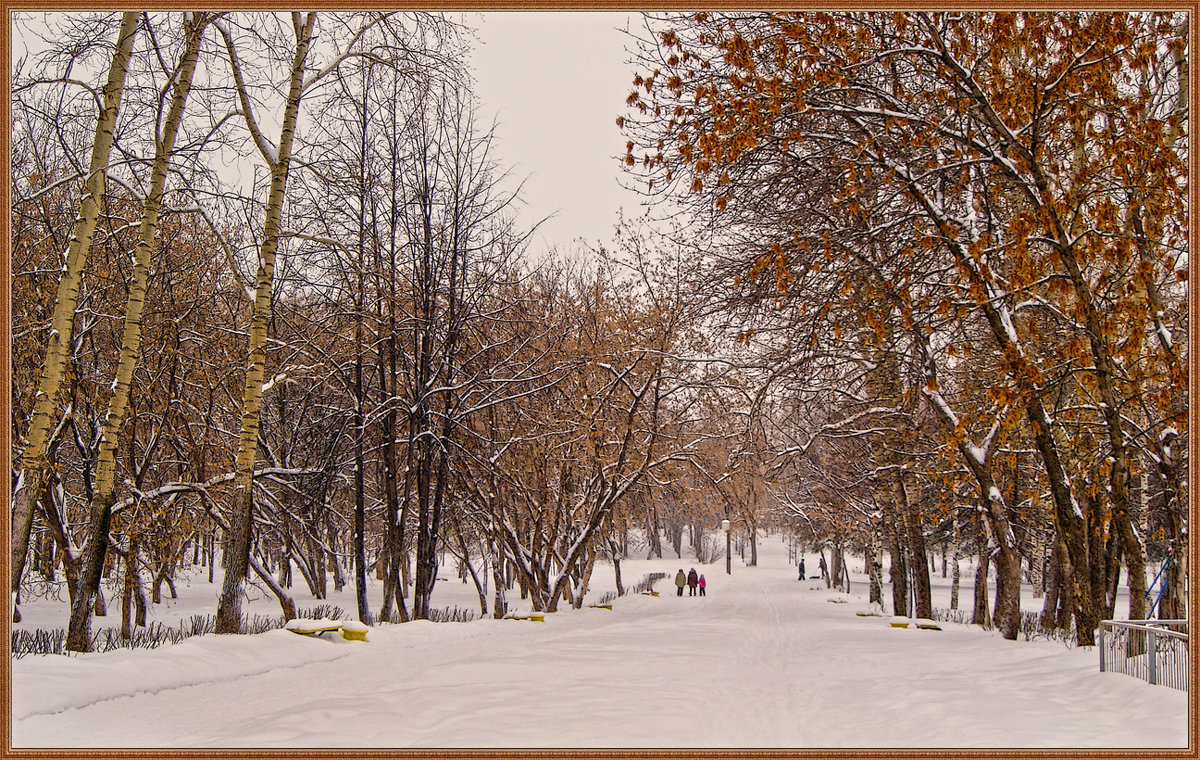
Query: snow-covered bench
[(922, 623), (537, 617), (351, 630)]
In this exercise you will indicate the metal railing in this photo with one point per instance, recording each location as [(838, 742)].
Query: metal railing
[(1155, 651)]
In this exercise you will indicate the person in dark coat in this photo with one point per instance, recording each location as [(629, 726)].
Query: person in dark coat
[(692, 580), (680, 582), (824, 568), (801, 569)]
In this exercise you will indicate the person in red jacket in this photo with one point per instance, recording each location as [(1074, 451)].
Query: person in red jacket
[(693, 580), (702, 583)]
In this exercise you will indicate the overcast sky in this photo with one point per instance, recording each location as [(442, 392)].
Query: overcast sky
[(556, 82)]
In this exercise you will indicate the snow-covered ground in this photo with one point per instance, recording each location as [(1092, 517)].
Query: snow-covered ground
[(762, 661)]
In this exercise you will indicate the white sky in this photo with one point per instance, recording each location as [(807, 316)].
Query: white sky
[(556, 82)]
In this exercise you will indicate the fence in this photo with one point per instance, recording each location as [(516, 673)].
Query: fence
[(1155, 651)]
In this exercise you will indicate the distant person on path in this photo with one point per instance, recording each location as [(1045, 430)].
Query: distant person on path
[(824, 569), (680, 582), (702, 584), (692, 580), (801, 569)]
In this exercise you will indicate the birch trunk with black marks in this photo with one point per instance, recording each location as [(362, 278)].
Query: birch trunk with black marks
[(33, 473), (100, 508), (229, 618)]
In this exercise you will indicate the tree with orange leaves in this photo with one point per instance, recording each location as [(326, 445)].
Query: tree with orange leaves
[(1015, 154)]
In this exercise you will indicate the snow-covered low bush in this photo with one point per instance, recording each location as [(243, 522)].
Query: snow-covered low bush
[(453, 614), (646, 583), (1030, 629), (52, 641)]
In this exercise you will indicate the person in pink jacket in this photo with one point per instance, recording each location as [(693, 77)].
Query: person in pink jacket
[(702, 583)]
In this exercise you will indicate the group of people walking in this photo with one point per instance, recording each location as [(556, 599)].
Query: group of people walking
[(696, 583), (691, 580)]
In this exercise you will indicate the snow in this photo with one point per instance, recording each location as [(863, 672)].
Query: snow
[(1164, 334), (978, 454), (945, 409), (996, 297), (267, 386), (762, 661), (312, 624)]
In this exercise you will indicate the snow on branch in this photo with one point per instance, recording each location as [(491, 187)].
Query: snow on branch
[(179, 487)]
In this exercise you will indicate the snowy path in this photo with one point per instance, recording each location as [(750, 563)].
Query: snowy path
[(762, 661)]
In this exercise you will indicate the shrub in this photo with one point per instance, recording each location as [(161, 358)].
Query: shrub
[(53, 641)]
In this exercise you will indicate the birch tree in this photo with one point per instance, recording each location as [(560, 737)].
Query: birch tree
[(278, 159), (32, 475), (114, 419)]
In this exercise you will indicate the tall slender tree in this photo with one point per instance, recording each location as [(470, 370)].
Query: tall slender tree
[(32, 476)]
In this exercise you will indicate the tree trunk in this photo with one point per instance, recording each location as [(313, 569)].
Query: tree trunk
[(339, 580), (229, 616), (212, 554), (589, 565), (1037, 558), (139, 599), (316, 558), (394, 587), (360, 504), (79, 638), (127, 591), (1173, 604), (840, 567), (954, 584), (285, 564), (874, 562), (32, 476), (114, 419), (286, 605), (499, 605), (652, 531), (898, 570), (1008, 594), (980, 615), (1050, 604), (70, 563), (1094, 522), (922, 601), (870, 562)]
